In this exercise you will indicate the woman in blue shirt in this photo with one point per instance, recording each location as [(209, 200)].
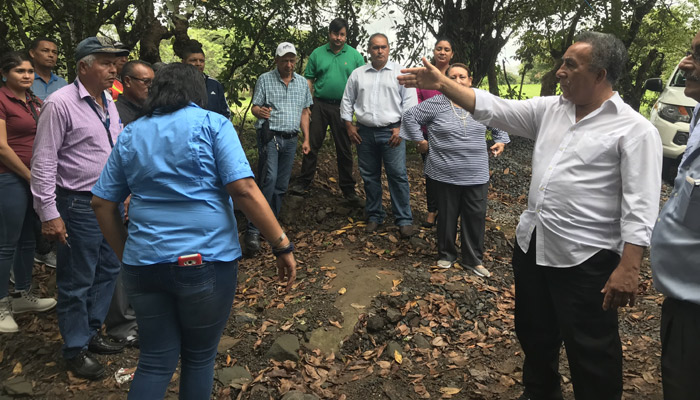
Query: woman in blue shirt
[(458, 164), (182, 166)]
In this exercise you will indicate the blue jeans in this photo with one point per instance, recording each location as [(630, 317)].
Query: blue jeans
[(180, 311), (16, 232), (370, 153), (86, 272), (275, 160)]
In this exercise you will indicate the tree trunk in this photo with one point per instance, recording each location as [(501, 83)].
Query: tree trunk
[(493, 80), (550, 81)]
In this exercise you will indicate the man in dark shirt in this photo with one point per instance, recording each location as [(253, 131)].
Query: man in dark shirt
[(216, 101), (136, 76)]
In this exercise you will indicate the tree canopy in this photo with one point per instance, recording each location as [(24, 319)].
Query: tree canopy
[(240, 36)]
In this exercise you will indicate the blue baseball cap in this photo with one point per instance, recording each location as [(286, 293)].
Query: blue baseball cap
[(101, 44)]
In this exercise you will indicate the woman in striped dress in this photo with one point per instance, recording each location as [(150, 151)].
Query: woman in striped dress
[(458, 163)]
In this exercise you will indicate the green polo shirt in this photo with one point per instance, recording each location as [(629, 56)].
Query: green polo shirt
[(330, 71)]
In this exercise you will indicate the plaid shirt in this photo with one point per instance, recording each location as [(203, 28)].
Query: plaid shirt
[(287, 102)]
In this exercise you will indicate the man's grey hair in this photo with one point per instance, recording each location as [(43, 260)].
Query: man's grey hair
[(374, 35), (607, 52), (87, 60)]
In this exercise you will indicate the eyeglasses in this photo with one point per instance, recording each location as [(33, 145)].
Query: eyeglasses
[(146, 81), (694, 54)]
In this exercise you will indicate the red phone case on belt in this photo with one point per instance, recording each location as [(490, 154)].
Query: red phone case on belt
[(190, 259)]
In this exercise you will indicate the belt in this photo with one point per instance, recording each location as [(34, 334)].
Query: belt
[(327, 101), (285, 135), (390, 126), (65, 192)]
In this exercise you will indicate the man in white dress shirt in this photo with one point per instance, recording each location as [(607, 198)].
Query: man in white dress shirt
[(594, 197), (378, 102)]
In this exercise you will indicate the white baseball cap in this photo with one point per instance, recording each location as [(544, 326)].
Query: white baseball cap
[(284, 48)]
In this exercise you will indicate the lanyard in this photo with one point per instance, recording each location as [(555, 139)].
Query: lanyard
[(105, 122)]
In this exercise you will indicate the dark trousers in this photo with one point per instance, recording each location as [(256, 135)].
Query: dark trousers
[(468, 203), (86, 272), (120, 321), (431, 201), (680, 349), (565, 304), (323, 115)]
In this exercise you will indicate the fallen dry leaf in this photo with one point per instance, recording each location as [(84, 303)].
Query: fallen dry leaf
[(450, 390), (342, 290), (358, 306), (336, 324), (398, 357), (17, 369)]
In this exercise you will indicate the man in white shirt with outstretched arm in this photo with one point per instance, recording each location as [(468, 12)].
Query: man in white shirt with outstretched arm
[(594, 197)]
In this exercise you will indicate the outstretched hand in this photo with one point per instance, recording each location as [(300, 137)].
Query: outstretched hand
[(428, 77)]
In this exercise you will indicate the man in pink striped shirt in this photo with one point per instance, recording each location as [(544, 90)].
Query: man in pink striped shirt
[(77, 129)]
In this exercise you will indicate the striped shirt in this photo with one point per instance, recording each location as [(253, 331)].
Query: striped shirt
[(287, 101), (457, 144), (71, 145)]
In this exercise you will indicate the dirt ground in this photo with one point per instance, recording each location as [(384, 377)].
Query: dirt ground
[(374, 317)]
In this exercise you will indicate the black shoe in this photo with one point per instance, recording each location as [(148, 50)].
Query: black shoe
[(85, 366), (101, 345), (132, 341), (354, 200), (298, 189), (251, 243)]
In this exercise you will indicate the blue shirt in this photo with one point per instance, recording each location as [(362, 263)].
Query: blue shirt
[(287, 101), (176, 167), (43, 89), (675, 242)]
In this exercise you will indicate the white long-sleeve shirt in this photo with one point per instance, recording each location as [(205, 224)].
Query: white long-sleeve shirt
[(376, 97), (595, 183)]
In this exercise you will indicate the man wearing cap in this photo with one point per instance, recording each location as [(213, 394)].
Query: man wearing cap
[(327, 72), (281, 103), (77, 129), (378, 101)]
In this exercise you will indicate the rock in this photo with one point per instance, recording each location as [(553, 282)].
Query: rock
[(320, 216), (226, 343), (421, 342), (285, 348), (340, 210), (245, 318), (18, 386), (393, 315), (419, 243), (393, 347), (375, 324), (297, 395), (235, 376)]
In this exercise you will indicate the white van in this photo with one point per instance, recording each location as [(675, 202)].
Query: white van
[(671, 116)]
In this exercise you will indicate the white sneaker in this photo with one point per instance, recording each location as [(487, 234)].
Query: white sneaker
[(7, 323), (481, 271), (48, 259), (445, 264), (24, 301)]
